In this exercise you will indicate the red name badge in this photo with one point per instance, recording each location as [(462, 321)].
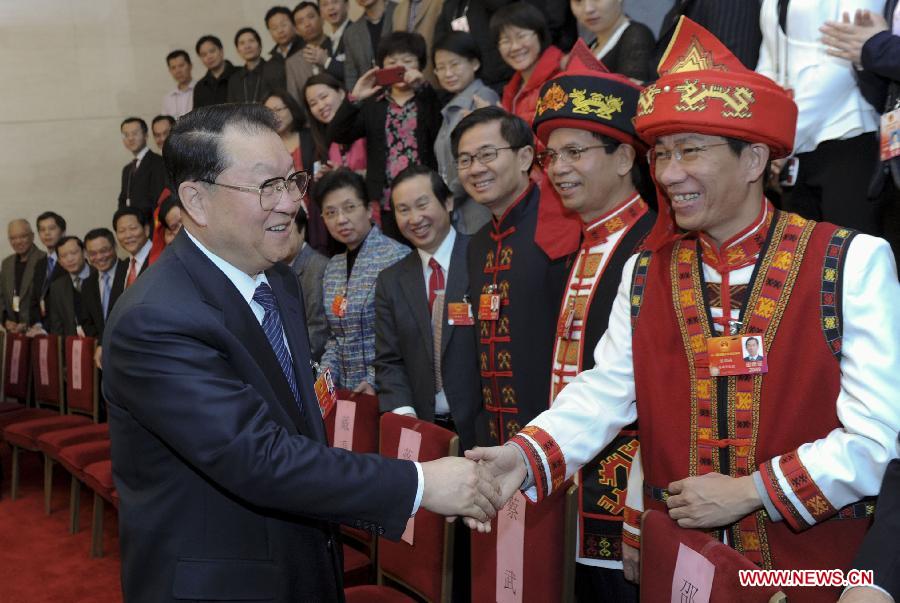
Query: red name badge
[(460, 314), (736, 355), (489, 306), (339, 306), (325, 393)]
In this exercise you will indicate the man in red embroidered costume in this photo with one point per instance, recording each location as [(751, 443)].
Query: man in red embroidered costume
[(584, 120), (515, 279), (775, 463)]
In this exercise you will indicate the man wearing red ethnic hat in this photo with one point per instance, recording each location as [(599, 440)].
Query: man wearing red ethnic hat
[(773, 456), (591, 155)]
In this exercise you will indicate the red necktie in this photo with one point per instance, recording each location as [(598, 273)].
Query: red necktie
[(435, 282), (132, 273)]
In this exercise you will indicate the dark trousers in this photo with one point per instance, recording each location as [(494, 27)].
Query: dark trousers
[(833, 183), (603, 585), (890, 218)]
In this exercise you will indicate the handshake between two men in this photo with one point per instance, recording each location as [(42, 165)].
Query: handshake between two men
[(474, 487)]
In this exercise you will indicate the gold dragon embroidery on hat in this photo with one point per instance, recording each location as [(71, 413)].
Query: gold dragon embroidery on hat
[(598, 104), (554, 98)]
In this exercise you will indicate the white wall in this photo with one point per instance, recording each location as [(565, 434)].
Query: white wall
[(71, 70)]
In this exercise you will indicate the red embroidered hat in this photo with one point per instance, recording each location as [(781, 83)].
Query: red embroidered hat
[(586, 96), (703, 88)]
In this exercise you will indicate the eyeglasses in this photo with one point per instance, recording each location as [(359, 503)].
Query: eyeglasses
[(448, 67), (681, 153), (331, 213), (484, 156), (548, 157), (523, 36), (271, 190)]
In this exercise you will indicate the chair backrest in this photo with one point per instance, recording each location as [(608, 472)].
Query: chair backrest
[(357, 429), (426, 566), (46, 365), (82, 393), (661, 540), (16, 366), (548, 553)]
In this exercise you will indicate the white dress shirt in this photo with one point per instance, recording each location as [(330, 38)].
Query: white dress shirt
[(178, 102)]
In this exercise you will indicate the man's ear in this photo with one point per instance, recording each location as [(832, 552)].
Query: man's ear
[(194, 197), (525, 157), (625, 157), (448, 204), (755, 158)]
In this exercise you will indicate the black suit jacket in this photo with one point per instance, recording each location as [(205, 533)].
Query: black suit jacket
[(735, 23), (65, 311), (40, 292), (880, 550), (404, 346), (228, 491), (90, 297), (145, 184)]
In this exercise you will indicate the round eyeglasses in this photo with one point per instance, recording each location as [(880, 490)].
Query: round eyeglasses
[(271, 190)]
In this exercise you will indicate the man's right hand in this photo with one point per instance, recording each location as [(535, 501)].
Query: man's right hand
[(631, 563), (506, 465), (457, 486)]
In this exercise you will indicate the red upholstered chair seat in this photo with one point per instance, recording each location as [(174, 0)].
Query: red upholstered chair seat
[(26, 414), (25, 434), (76, 458), (357, 567), (52, 442), (10, 406), (375, 594), (98, 477)]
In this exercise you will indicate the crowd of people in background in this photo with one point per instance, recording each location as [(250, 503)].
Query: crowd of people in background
[(403, 122)]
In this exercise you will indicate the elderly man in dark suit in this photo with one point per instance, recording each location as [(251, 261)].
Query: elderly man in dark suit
[(17, 278), (425, 362), (145, 177), (228, 488)]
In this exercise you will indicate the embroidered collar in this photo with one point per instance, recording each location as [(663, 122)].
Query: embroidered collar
[(742, 249), (623, 216)]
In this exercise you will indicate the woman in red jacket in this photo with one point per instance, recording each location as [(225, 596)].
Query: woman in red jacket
[(523, 39)]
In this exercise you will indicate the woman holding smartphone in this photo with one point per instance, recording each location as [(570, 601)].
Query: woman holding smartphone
[(395, 109)]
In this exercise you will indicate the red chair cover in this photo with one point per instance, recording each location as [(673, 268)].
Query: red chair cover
[(25, 433), (25, 414), (98, 477), (17, 365), (80, 373), (660, 539), (10, 406), (51, 443), (365, 421), (544, 553), (75, 458), (47, 370)]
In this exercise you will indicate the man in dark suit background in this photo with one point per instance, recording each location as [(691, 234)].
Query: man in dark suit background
[(132, 228), (336, 13), (66, 309), (363, 36), (105, 284), (228, 488), (413, 338), (309, 266), (145, 177), (51, 229)]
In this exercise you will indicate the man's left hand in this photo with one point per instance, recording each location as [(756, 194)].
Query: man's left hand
[(315, 55), (712, 500)]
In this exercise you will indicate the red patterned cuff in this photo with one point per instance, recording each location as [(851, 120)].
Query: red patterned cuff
[(548, 451), (803, 489), (631, 539), (632, 518)]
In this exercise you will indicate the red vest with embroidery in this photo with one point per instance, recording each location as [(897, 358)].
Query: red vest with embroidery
[(794, 298)]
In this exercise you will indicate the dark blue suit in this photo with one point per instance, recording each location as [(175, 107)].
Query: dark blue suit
[(227, 490)]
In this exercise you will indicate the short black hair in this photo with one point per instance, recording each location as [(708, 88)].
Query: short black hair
[(193, 148), (514, 130), (457, 42), (170, 203), (160, 118), (208, 38), (301, 219), (100, 233), (438, 186), (130, 120), (749, 339), (141, 216), (524, 16), (293, 106), (305, 4), (736, 145), (612, 144), (69, 238), (338, 179), (402, 42), (51, 215), (249, 30), (178, 53), (278, 10)]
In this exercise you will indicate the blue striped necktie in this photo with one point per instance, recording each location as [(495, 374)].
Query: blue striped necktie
[(271, 324)]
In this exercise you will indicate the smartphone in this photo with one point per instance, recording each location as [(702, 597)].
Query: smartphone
[(788, 175), (390, 75)]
